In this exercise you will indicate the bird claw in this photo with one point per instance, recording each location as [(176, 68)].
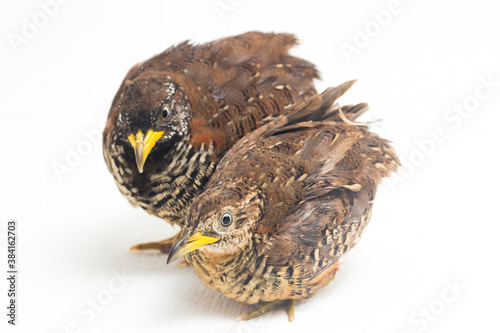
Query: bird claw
[(269, 307), (183, 263), (163, 246)]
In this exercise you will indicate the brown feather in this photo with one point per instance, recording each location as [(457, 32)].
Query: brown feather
[(300, 190), (217, 92)]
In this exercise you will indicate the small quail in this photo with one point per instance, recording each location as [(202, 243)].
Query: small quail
[(285, 203), (183, 109)]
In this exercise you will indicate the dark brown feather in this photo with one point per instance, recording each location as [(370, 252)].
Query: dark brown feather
[(300, 190), (224, 89)]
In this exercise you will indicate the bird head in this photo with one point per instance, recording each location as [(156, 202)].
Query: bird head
[(220, 222), (152, 113)]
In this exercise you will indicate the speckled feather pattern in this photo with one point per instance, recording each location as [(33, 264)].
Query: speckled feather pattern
[(215, 93), (301, 190)]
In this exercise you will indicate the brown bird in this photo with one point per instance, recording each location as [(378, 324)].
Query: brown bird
[(285, 203), (183, 109)]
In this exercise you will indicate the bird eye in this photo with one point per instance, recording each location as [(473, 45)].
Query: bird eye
[(165, 113), (226, 219)]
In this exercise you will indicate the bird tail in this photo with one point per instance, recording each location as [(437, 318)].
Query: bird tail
[(323, 107)]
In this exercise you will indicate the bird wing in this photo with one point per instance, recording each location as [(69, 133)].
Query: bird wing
[(234, 84), (338, 167), (318, 111)]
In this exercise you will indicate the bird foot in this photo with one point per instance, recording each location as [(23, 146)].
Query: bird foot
[(164, 246), (183, 263), (269, 307)]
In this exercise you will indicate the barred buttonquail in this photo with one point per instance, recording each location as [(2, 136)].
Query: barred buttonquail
[(285, 203), (184, 108)]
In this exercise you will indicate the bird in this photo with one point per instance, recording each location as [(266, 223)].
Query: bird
[(285, 203), (176, 114)]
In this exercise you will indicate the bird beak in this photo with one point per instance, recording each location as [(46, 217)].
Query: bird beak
[(143, 145), (186, 245)]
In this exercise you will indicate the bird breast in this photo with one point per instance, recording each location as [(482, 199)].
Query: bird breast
[(248, 277)]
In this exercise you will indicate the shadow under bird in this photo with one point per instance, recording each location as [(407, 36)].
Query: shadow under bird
[(285, 203), (176, 114)]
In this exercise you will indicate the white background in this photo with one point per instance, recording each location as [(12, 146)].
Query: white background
[(434, 225)]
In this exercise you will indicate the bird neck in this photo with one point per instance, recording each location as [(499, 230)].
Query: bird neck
[(220, 263)]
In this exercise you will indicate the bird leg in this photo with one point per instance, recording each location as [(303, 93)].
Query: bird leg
[(291, 310), (269, 307), (163, 246)]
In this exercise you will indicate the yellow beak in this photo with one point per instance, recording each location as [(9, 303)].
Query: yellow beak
[(181, 247), (143, 145)]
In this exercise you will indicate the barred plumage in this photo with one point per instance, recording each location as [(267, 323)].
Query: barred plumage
[(187, 106), (299, 192)]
